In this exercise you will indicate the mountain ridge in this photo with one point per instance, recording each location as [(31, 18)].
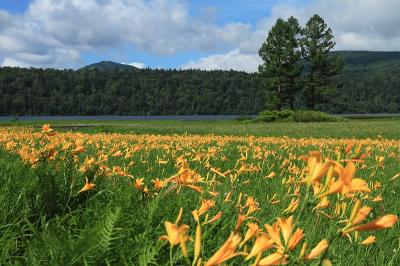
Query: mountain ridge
[(108, 66)]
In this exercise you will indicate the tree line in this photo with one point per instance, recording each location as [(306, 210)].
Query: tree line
[(299, 72), (361, 88)]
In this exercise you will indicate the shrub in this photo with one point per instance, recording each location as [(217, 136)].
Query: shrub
[(271, 116), (315, 116), (297, 116)]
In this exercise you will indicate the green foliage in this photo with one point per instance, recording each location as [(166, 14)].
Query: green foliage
[(369, 83), (117, 225), (314, 116), (282, 67), (109, 66), (316, 44), (271, 116), (298, 116)]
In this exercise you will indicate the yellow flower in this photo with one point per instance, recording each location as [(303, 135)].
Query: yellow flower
[(315, 167), (205, 206), (346, 182), (252, 231), (88, 186), (214, 219), (173, 233), (226, 251), (274, 259), (369, 240), (362, 214), (262, 243), (319, 248), (158, 184), (383, 222), (139, 183)]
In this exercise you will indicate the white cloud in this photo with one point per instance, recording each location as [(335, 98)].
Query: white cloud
[(136, 64), (162, 27), (234, 59), (356, 24), (55, 33)]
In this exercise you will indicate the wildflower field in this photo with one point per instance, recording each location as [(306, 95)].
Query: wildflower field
[(73, 198)]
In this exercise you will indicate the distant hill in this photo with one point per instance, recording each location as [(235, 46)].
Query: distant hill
[(369, 83), (366, 57), (108, 66)]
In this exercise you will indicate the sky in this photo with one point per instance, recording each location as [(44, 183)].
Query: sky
[(181, 34)]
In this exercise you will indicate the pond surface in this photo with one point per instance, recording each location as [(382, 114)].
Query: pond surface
[(127, 118), (163, 117)]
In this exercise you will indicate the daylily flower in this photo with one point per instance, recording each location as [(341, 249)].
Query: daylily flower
[(274, 259), (88, 186), (286, 228), (173, 233), (346, 182), (369, 240), (252, 231), (262, 243), (319, 248), (383, 222), (46, 128), (205, 206), (158, 184), (139, 183), (315, 167), (214, 219), (226, 252)]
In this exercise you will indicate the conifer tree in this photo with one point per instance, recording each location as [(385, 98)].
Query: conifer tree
[(282, 67), (316, 44)]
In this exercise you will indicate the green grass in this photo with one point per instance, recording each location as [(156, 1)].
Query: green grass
[(372, 128), (45, 222)]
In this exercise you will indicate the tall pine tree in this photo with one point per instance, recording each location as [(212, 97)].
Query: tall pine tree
[(316, 44), (282, 67)]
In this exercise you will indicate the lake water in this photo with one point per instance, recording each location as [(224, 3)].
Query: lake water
[(164, 117), (128, 118)]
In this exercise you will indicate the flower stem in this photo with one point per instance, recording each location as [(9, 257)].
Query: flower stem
[(170, 255)]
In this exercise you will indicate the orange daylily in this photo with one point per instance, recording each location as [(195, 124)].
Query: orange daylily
[(173, 233), (362, 214), (346, 182), (274, 259), (205, 206), (286, 228), (262, 243), (139, 183), (383, 222), (319, 248), (252, 231), (315, 167), (214, 219), (88, 186), (369, 240), (226, 251), (158, 184)]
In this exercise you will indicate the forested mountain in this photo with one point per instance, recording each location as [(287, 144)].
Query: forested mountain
[(108, 66), (369, 83)]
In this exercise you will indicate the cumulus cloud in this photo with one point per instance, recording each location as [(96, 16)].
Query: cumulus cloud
[(234, 59), (356, 24), (55, 33), (62, 29), (136, 64)]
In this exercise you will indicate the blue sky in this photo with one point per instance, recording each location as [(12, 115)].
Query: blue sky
[(206, 34)]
